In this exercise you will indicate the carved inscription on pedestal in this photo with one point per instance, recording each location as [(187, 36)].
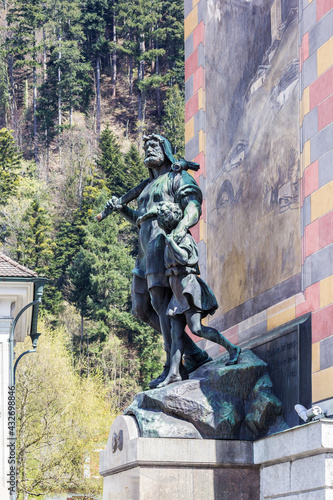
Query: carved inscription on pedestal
[(284, 358), (288, 355)]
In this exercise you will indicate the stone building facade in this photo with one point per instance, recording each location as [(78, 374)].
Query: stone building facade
[(259, 120)]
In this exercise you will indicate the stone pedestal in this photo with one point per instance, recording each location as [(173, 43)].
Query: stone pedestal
[(175, 469), (296, 464)]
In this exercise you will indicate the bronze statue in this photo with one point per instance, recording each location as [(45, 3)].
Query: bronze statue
[(152, 293), (192, 300)]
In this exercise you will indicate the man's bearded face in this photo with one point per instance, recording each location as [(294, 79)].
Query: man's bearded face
[(154, 156)]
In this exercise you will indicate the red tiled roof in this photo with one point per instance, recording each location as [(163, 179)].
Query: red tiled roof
[(10, 268)]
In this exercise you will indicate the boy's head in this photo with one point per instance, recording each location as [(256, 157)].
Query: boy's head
[(168, 215)]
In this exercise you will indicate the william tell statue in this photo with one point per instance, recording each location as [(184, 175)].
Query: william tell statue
[(167, 292)]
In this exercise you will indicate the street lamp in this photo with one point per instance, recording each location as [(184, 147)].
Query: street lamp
[(35, 304), (34, 340)]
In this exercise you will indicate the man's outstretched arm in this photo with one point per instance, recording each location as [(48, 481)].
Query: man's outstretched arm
[(124, 199)]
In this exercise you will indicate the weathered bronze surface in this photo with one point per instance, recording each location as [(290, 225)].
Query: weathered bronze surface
[(217, 402), (167, 293), (192, 300)]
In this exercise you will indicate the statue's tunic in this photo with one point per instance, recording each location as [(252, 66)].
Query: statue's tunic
[(189, 292), (176, 187)]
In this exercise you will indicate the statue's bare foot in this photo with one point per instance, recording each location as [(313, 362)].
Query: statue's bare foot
[(234, 355), (158, 380), (170, 380)]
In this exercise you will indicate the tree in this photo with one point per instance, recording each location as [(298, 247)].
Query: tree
[(135, 171), (61, 421), (10, 163), (73, 85), (174, 120), (102, 268), (135, 21), (47, 115), (13, 215), (110, 162), (4, 93), (39, 247), (81, 289), (152, 37), (24, 20), (94, 16), (173, 42), (79, 187), (100, 278), (66, 81)]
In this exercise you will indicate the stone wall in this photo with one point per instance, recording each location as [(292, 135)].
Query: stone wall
[(297, 464), (316, 138), (290, 465), (259, 121)]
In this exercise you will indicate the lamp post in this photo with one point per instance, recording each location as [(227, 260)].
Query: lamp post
[(34, 340), (35, 304)]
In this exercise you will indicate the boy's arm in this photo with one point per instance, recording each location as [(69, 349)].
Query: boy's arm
[(180, 254), (191, 216)]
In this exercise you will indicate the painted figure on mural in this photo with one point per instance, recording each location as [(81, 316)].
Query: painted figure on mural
[(151, 291)]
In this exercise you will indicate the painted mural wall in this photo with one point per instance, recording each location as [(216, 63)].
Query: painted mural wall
[(252, 155)]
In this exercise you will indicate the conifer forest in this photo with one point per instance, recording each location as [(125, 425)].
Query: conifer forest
[(81, 82)]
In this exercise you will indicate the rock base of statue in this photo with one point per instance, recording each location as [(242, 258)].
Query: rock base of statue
[(217, 402)]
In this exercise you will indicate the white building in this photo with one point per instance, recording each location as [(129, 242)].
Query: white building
[(19, 286)]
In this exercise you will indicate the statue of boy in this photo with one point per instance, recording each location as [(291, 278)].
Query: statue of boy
[(192, 300), (151, 293)]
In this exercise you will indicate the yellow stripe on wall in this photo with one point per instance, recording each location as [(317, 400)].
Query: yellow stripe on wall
[(191, 22)]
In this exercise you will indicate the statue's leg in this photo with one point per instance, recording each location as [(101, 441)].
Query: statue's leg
[(141, 304), (160, 298), (176, 372), (194, 356), (209, 333), (143, 310)]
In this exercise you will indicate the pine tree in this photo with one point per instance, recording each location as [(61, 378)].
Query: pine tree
[(152, 37), (73, 87), (135, 171), (66, 84), (173, 42), (134, 26), (47, 114), (10, 162), (100, 278), (94, 16), (110, 162), (25, 19), (39, 247), (4, 93), (174, 120)]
